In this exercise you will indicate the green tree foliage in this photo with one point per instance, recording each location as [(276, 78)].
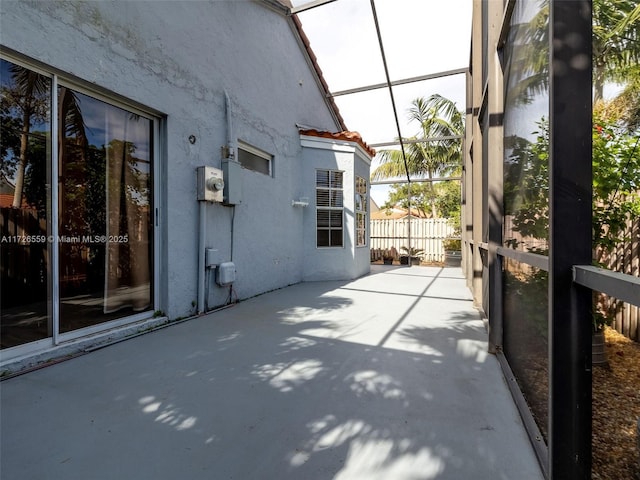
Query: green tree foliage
[(447, 200), (420, 197), (449, 203), (616, 42), (528, 57), (437, 117), (616, 182), (24, 106), (526, 183), (615, 47), (24, 102), (625, 108), (616, 192)]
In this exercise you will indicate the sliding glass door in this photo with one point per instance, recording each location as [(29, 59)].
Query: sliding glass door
[(101, 208)]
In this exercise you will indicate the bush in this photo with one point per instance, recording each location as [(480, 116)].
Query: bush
[(452, 244)]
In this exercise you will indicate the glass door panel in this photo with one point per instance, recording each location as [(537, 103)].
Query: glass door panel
[(105, 206), (25, 246)]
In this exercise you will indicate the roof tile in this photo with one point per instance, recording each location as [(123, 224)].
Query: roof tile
[(344, 136)]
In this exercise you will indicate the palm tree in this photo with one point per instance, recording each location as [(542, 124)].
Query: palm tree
[(31, 90), (528, 58), (615, 48), (625, 107), (29, 97), (438, 117), (616, 42)]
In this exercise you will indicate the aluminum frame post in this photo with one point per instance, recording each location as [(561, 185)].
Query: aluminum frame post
[(570, 200)]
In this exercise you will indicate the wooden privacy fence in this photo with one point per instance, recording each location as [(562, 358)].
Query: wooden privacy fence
[(427, 234), (24, 256), (626, 259)]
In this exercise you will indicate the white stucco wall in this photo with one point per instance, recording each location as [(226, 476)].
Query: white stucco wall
[(178, 58), (333, 263)]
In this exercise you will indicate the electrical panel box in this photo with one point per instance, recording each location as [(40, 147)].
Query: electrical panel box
[(233, 185), (209, 184), (226, 274)]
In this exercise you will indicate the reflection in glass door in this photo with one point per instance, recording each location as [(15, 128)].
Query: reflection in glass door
[(102, 210), (25, 251), (105, 205)]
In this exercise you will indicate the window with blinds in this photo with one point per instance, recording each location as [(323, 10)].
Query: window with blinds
[(329, 208)]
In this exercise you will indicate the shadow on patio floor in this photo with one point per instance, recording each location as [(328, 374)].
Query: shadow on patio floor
[(386, 377)]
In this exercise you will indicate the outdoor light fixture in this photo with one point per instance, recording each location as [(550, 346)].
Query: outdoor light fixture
[(302, 202)]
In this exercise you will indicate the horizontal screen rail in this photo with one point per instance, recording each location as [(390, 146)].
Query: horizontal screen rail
[(619, 285), (533, 259)]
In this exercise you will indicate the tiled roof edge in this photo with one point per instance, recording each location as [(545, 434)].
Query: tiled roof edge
[(344, 136)]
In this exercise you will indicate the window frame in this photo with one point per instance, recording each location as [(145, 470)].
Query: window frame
[(256, 152), (361, 198)]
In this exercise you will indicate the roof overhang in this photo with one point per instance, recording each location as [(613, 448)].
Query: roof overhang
[(340, 141)]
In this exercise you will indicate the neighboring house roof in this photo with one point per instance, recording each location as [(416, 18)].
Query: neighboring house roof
[(7, 190), (6, 200), (373, 206), (344, 136), (6, 187)]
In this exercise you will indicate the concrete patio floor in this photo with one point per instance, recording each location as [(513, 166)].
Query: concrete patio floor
[(383, 378)]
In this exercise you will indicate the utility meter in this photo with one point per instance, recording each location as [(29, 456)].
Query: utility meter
[(210, 184)]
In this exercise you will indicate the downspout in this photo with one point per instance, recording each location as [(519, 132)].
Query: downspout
[(231, 143), (230, 158), (201, 252)]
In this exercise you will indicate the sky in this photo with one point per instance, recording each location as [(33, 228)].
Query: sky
[(420, 37)]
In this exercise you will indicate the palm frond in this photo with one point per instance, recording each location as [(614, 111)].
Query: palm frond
[(437, 117), (28, 81), (71, 115)]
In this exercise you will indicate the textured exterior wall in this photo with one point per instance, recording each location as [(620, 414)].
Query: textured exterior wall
[(333, 263), (178, 58)]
